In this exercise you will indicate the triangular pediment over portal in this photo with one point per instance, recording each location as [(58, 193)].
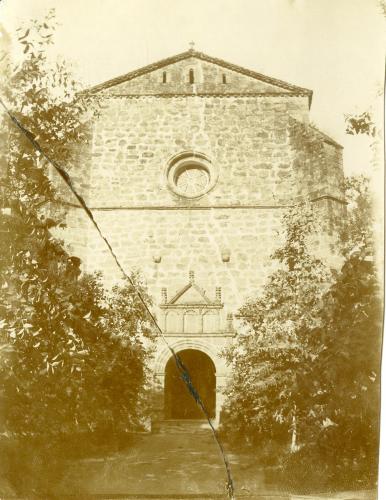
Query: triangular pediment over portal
[(191, 295)]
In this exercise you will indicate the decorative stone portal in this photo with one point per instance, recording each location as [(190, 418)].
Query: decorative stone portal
[(197, 328), (179, 403)]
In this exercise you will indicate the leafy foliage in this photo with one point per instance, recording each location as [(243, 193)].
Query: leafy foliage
[(73, 357), (360, 124), (66, 334), (348, 369), (356, 230), (306, 372), (76, 359), (273, 360)]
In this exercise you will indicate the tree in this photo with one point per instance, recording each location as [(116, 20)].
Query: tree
[(46, 99), (76, 358), (343, 444), (360, 124), (306, 372), (269, 396), (357, 229), (74, 355), (348, 368)]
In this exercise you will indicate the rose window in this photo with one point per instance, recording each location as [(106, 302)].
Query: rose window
[(191, 174), (192, 180)]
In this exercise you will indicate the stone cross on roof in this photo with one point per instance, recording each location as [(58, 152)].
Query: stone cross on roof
[(191, 45)]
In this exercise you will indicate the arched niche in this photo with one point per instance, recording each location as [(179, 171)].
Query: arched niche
[(174, 322), (192, 321), (210, 321)]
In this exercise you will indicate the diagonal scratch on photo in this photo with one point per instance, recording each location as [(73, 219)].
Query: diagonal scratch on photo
[(191, 249)]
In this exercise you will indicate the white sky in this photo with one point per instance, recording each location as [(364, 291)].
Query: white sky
[(334, 47)]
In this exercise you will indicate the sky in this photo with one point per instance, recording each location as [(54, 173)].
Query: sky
[(334, 47)]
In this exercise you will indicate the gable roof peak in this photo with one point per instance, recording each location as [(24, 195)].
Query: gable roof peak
[(192, 53)]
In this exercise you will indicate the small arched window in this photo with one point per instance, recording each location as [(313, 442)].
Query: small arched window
[(191, 76), (164, 77), (224, 78)]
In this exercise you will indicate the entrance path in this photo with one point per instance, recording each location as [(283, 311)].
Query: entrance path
[(162, 465), (178, 464)]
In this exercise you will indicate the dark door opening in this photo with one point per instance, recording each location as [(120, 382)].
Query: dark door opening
[(179, 403)]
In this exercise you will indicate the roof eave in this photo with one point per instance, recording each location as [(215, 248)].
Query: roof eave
[(326, 138)]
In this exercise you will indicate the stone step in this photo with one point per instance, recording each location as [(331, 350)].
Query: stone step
[(181, 426)]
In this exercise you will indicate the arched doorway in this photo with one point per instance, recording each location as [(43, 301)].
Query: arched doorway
[(179, 403)]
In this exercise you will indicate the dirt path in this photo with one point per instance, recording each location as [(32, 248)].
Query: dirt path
[(176, 466), (162, 464)]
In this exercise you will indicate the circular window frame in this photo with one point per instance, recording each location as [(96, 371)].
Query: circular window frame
[(183, 160)]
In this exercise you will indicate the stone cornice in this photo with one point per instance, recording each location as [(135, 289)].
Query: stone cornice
[(198, 305), (200, 335), (203, 207), (205, 94)]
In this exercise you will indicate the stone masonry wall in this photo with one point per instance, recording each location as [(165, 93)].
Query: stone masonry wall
[(263, 156), (246, 138), (188, 240), (261, 170)]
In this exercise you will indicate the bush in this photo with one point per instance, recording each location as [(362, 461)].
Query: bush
[(32, 465), (316, 469)]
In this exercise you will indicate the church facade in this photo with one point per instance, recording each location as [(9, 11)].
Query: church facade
[(188, 170)]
